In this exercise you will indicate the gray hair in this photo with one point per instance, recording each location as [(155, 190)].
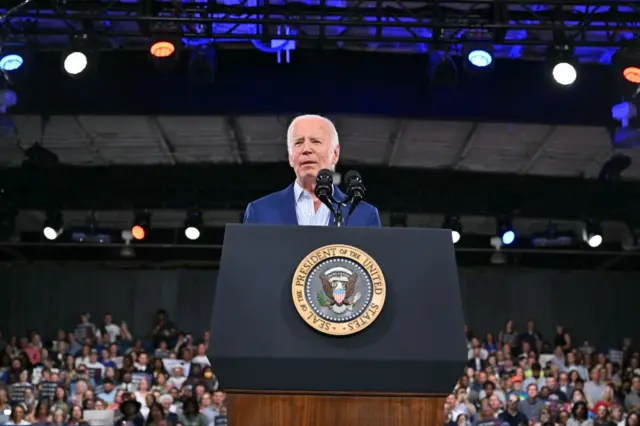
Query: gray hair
[(332, 129)]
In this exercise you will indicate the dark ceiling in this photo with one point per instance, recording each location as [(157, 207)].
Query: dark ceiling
[(251, 82)]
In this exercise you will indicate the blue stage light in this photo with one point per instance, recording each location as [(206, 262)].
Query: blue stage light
[(508, 237), (480, 58), (11, 62)]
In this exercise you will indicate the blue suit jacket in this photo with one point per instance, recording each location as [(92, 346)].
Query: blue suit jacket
[(279, 208)]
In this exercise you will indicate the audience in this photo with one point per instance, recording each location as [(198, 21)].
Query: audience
[(523, 379), (102, 375)]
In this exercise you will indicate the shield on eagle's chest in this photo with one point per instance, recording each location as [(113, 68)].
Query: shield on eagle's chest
[(338, 295)]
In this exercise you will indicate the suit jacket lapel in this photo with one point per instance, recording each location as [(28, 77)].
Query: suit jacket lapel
[(289, 215)]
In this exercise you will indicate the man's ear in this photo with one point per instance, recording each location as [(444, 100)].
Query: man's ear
[(336, 154)]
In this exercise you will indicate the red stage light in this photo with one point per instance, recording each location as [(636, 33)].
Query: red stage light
[(138, 232), (632, 74), (162, 49)]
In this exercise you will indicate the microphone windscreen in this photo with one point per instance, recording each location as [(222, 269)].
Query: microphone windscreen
[(325, 175), (352, 175)]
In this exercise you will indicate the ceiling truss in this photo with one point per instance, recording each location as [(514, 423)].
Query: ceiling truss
[(505, 22)]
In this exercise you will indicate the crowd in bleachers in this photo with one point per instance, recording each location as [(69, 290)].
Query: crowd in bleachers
[(522, 378), (100, 374)]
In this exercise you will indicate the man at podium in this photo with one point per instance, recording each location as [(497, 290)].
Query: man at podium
[(313, 145)]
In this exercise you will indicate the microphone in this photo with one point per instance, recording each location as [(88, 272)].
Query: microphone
[(355, 189), (324, 192), (324, 185)]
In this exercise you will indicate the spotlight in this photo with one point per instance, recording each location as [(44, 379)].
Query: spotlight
[(77, 56), (141, 225), (192, 225), (563, 64), (164, 54), (564, 73), (11, 62), (480, 58), (75, 63), (53, 225), (626, 64), (162, 49), (453, 223), (631, 74), (505, 232), (592, 233), (16, 63)]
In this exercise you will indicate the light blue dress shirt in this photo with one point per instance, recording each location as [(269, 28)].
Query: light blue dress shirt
[(305, 210)]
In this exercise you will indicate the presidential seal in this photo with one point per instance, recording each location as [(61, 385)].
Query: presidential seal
[(338, 290)]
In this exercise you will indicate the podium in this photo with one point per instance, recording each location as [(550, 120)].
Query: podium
[(337, 325)]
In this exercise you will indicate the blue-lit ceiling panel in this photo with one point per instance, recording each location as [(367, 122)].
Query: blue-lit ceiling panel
[(396, 26)]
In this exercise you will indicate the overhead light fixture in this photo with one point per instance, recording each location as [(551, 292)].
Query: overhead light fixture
[(592, 233), (141, 225), (626, 63), (631, 74), (564, 73), (453, 223), (162, 49), (480, 58), (53, 225), (16, 62), (164, 53), (192, 225), (76, 57), (11, 62), (505, 231), (564, 66)]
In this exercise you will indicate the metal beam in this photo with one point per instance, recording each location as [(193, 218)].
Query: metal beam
[(546, 139), (239, 147), (395, 139), (465, 147), (89, 140), (163, 137), (450, 21)]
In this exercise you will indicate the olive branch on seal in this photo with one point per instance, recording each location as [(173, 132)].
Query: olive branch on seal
[(322, 301)]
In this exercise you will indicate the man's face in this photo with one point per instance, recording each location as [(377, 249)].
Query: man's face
[(635, 384), (311, 147), (532, 391), (512, 404), (482, 377), (494, 402), (218, 398)]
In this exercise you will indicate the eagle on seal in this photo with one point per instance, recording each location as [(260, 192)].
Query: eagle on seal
[(339, 284)]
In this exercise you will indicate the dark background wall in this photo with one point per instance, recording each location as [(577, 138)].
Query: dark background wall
[(597, 306)]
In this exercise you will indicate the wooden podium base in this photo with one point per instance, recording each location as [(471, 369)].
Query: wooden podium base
[(274, 408)]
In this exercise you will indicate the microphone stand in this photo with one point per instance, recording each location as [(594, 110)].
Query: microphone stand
[(337, 211)]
